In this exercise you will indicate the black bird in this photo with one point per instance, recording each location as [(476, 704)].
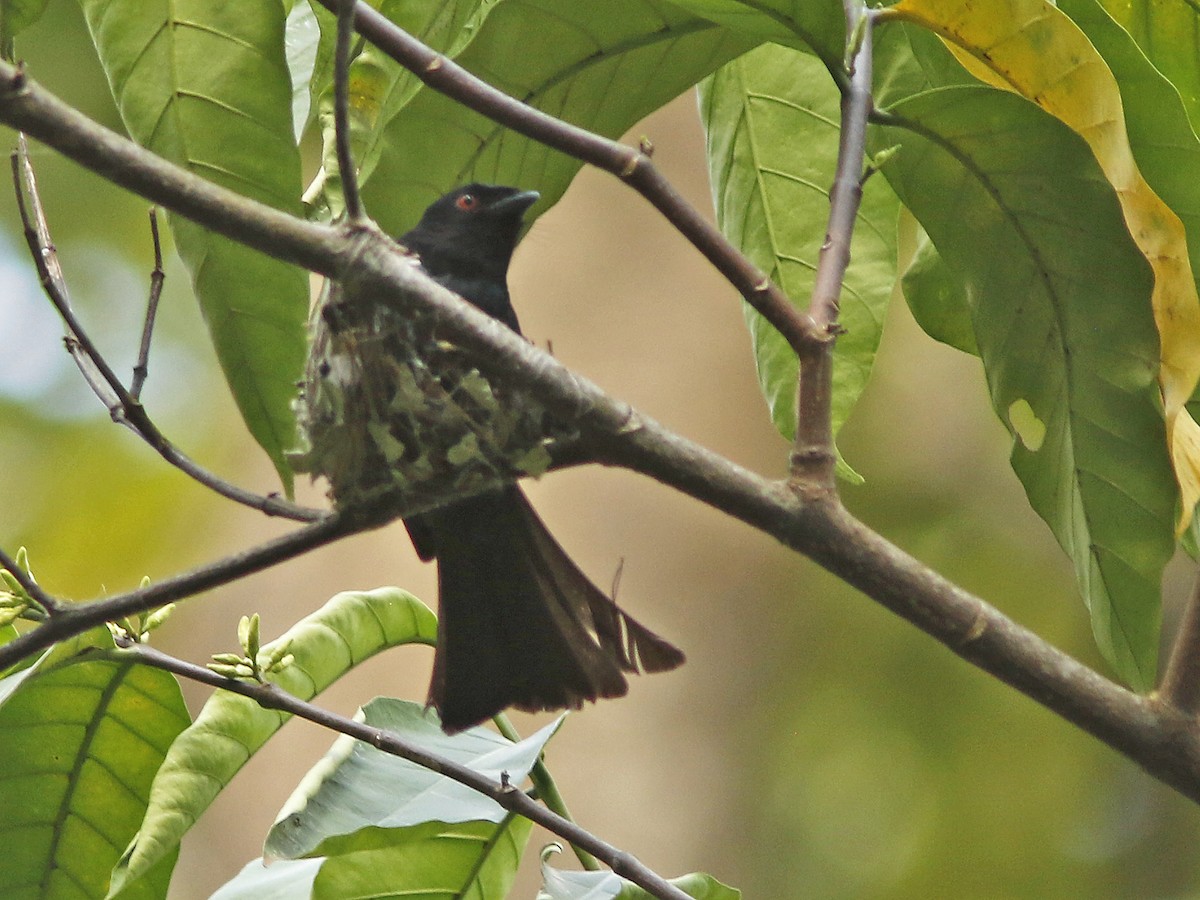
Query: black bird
[(519, 624)]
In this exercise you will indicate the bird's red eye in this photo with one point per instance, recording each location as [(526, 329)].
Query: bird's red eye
[(467, 202)]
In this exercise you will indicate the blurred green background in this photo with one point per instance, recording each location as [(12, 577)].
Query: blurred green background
[(814, 746)]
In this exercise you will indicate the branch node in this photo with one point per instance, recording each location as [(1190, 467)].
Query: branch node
[(435, 64), (978, 629), (631, 165)]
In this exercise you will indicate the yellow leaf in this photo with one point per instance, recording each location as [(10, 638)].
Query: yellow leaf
[(1031, 48)]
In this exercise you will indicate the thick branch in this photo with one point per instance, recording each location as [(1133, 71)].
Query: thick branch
[(510, 797)]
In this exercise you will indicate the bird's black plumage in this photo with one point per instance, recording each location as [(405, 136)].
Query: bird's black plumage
[(520, 624)]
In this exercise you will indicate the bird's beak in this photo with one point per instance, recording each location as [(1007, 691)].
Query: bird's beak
[(517, 204)]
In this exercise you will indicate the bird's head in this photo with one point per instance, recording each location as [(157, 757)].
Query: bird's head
[(476, 223)]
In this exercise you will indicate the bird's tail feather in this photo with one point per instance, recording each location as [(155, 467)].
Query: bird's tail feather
[(520, 624)]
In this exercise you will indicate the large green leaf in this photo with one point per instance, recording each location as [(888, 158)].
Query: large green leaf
[(1163, 143), (346, 631), (1019, 209), (771, 117), (81, 738), (206, 86), (382, 826), (340, 806), (602, 72)]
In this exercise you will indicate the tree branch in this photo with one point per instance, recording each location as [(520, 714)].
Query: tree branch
[(1180, 687), (814, 458), (1160, 739), (123, 405), (341, 112), (73, 619), (508, 796), (142, 367)]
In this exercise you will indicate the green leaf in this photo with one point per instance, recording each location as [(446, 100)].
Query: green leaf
[(475, 860), (604, 73), (17, 15), (339, 806), (559, 884), (1020, 211), (1167, 34), (771, 118), (206, 86), (302, 45), (817, 25), (383, 826), (936, 296), (81, 738), (349, 629)]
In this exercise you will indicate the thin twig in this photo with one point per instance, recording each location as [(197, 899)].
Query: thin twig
[(96, 372), (813, 458), (631, 165), (76, 618), (1181, 682), (157, 277), (341, 112), (510, 797), (123, 407)]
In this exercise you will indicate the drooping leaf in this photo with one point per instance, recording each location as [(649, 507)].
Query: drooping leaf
[(339, 806), (382, 826), (1032, 48), (206, 85), (1059, 294), (771, 118), (601, 72), (81, 738), (346, 631)]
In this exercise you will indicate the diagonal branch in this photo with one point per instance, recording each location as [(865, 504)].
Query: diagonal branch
[(510, 797), (72, 619), (1160, 739)]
